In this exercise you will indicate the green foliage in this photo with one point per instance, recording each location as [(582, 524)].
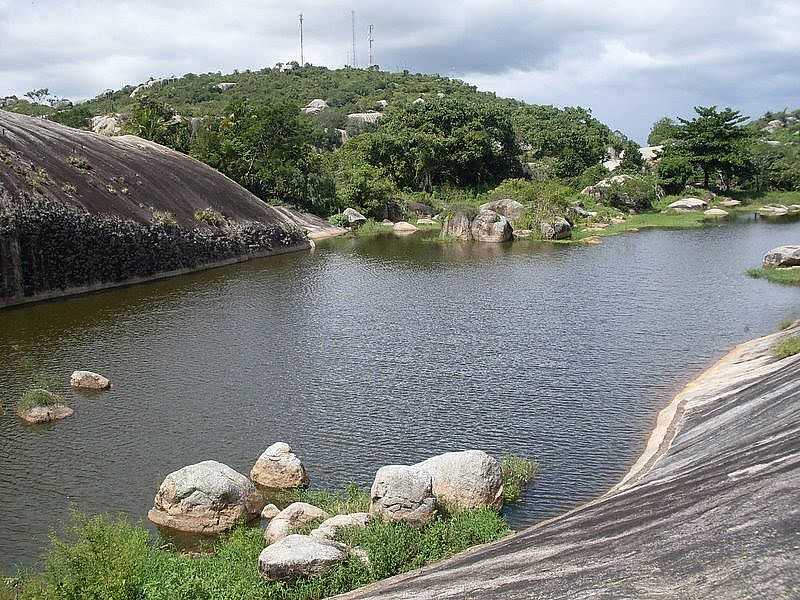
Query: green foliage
[(359, 184), (787, 347), (663, 131), (543, 200), (78, 117), (164, 218), (339, 220), (352, 500), (784, 276), (156, 121), (517, 472), (786, 323), (6, 589), (37, 396), (589, 176), (79, 162), (211, 217), (674, 170), (638, 194), (632, 161)]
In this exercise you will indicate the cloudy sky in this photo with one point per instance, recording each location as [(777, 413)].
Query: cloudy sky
[(630, 61)]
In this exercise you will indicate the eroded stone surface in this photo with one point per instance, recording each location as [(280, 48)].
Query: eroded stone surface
[(89, 381), (463, 480), (402, 493), (299, 556), (782, 256), (279, 468)]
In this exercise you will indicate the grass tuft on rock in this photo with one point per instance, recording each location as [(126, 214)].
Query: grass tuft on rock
[(36, 396), (784, 276), (517, 472), (787, 347)]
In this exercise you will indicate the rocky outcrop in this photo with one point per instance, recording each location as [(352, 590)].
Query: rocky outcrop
[(557, 229), (510, 209), (299, 556), (292, 518), (354, 218), (464, 480), (208, 497), (367, 118), (457, 226), (87, 380), (108, 125), (708, 511), (404, 494), (688, 204), (279, 468), (37, 415), (491, 227), (330, 527), (315, 106), (782, 256), (598, 189), (225, 86)]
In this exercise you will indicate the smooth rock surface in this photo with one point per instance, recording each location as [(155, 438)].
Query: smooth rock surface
[(270, 511), (45, 414), (279, 468), (688, 204), (463, 480), (292, 518), (782, 256), (404, 227), (329, 527), (207, 497), (402, 493), (354, 218), (716, 213), (89, 381), (491, 227), (299, 556)]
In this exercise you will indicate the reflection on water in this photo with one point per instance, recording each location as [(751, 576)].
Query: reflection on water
[(377, 351)]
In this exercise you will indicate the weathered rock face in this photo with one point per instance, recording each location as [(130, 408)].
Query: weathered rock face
[(45, 414), (597, 190), (89, 381), (208, 497), (401, 493), (270, 511), (107, 124), (558, 229), (329, 527), (279, 468), (292, 518), (490, 227), (782, 256), (354, 218), (463, 480), (299, 556), (315, 106), (717, 486), (688, 204), (510, 209), (457, 226), (730, 203)]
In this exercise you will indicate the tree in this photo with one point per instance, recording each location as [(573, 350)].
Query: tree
[(632, 161), (674, 169), (157, 122), (38, 96), (715, 142), (663, 131)]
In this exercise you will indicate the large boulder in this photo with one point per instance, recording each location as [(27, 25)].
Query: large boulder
[(685, 204), (558, 229), (489, 226), (715, 213), (37, 415), (404, 228), (402, 493), (783, 256), (463, 480), (299, 556), (315, 106), (292, 518), (420, 209), (108, 125), (87, 380), (208, 497), (510, 209), (354, 218), (330, 527), (458, 226), (279, 468)]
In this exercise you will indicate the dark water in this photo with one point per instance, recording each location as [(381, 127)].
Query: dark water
[(370, 352)]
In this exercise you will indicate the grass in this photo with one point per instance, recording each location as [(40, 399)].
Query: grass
[(517, 472), (784, 276), (786, 323), (113, 559), (787, 347), (38, 397), (352, 500)]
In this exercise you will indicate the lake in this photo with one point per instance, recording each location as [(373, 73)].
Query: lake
[(375, 351)]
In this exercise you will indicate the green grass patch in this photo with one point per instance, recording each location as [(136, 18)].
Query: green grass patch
[(787, 347), (517, 472), (786, 323), (650, 220), (38, 397), (784, 276), (352, 500)]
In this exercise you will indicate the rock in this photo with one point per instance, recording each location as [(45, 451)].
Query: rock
[(367, 118), (108, 125), (559, 229), (387, 222), (402, 493), (617, 220), (403, 227), (469, 479), (729, 203), (420, 209), (382, 104), (208, 497), (582, 212), (279, 468), (773, 210), (597, 190), (315, 106), (391, 211), (89, 381), (783, 256), (225, 86), (291, 518), (354, 218), (688, 204), (510, 209), (299, 556), (329, 527), (270, 512), (715, 213), (426, 222), (45, 414), (488, 226), (592, 241), (419, 101), (457, 226), (522, 233)]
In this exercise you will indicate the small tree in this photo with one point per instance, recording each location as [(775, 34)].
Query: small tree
[(37, 96), (664, 130)]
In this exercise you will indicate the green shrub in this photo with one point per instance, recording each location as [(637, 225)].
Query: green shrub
[(164, 218), (38, 397), (637, 194), (79, 162), (784, 276), (338, 220), (517, 472), (787, 347), (786, 323), (210, 217), (353, 499)]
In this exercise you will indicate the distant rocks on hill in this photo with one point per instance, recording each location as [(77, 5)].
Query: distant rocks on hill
[(315, 106)]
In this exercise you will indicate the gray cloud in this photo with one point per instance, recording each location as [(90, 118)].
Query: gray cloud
[(631, 61)]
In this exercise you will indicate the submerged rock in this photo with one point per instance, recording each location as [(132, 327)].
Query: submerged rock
[(279, 468), (299, 556), (458, 226), (208, 497), (292, 518), (402, 493), (782, 256), (89, 381), (491, 227), (464, 480)]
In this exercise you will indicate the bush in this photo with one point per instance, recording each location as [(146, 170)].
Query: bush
[(674, 171), (543, 201), (637, 194), (589, 177), (517, 472), (210, 217), (38, 397), (339, 220), (787, 347), (164, 218)]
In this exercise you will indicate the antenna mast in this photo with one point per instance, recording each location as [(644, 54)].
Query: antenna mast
[(302, 57), (353, 16), (371, 41)]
